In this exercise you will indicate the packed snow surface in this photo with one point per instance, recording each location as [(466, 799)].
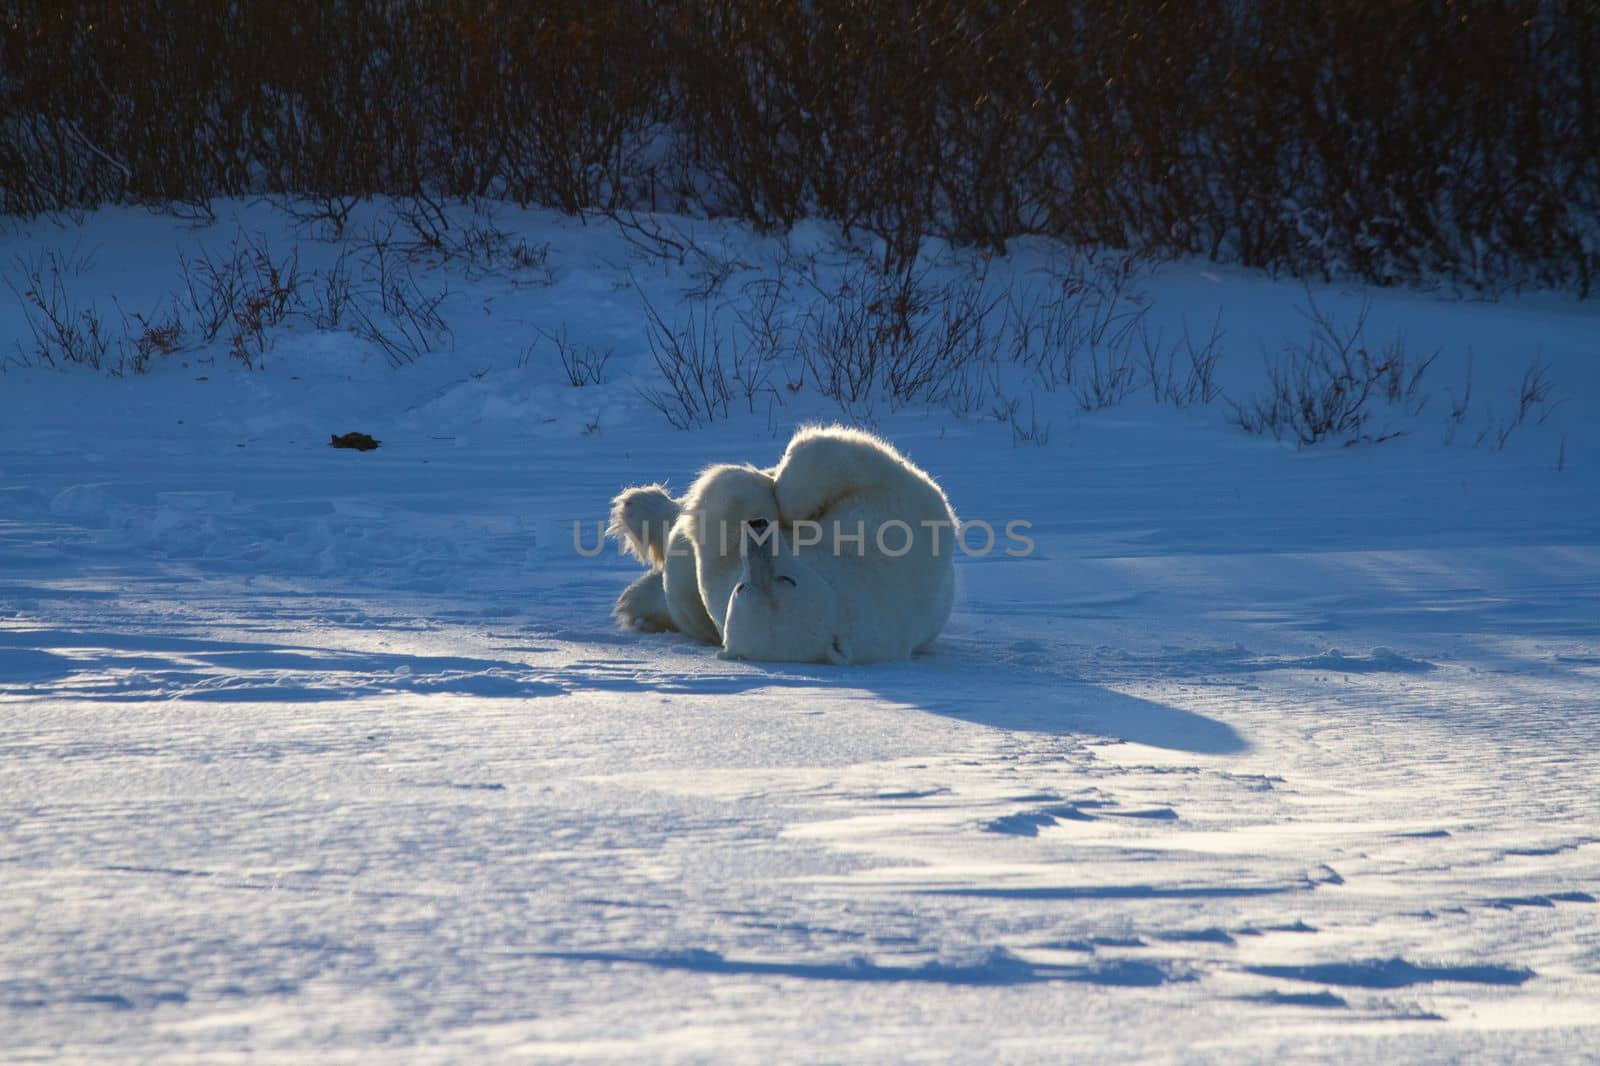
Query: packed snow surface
[(309, 753)]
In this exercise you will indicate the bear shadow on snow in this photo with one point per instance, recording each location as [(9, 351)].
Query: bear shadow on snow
[(975, 686), (964, 679)]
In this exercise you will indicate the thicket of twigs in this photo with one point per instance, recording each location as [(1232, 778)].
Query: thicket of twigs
[(1391, 141)]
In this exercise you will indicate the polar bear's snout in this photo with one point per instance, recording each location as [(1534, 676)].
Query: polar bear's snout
[(760, 537), (759, 547)]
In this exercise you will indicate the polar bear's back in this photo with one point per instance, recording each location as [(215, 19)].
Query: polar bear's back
[(887, 535)]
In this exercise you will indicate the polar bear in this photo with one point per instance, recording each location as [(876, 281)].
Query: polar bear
[(842, 553)]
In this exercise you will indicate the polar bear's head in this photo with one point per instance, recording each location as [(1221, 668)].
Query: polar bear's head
[(782, 610)]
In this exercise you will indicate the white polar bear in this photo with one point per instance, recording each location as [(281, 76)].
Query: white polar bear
[(842, 553)]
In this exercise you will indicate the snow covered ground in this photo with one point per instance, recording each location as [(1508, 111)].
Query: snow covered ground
[(320, 754)]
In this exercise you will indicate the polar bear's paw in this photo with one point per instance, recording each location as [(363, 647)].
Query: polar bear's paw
[(643, 605), (642, 519)]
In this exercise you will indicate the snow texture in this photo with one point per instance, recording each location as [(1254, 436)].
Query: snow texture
[(315, 754)]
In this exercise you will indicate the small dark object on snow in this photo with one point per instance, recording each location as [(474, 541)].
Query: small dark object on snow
[(359, 441)]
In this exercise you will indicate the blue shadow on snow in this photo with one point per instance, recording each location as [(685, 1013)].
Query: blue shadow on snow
[(998, 969)]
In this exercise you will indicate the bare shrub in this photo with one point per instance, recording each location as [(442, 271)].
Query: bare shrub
[(659, 239), (389, 308), (767, 337), (1459, 405), (244, 290), (1534, 405), (63, 333), (841, 345), (1092, 306), (73, 262), (213, 286), (271, 293), (1030, 431), (690, 358), (1183, 373), (533, 260), (1410, 143), (426, 226), (581, 363), (482, 244), (1534, 393), (331, 293), (326, 215), (1080, 332), (568, 100), (147, 335), (195, 209), (423, 231), (486, 249), (1327, 387), (654, 238), (896, 336), (1108, 377), (48, 164)]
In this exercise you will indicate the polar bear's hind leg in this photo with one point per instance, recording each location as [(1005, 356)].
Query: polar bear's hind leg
[(826, 466), (642, 518), (643, 604)]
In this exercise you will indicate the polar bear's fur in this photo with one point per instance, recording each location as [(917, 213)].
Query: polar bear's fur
[(843, 553), (692, 545), (863, 570)]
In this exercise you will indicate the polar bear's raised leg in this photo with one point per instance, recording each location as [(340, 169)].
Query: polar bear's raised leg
[(642, 518)]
